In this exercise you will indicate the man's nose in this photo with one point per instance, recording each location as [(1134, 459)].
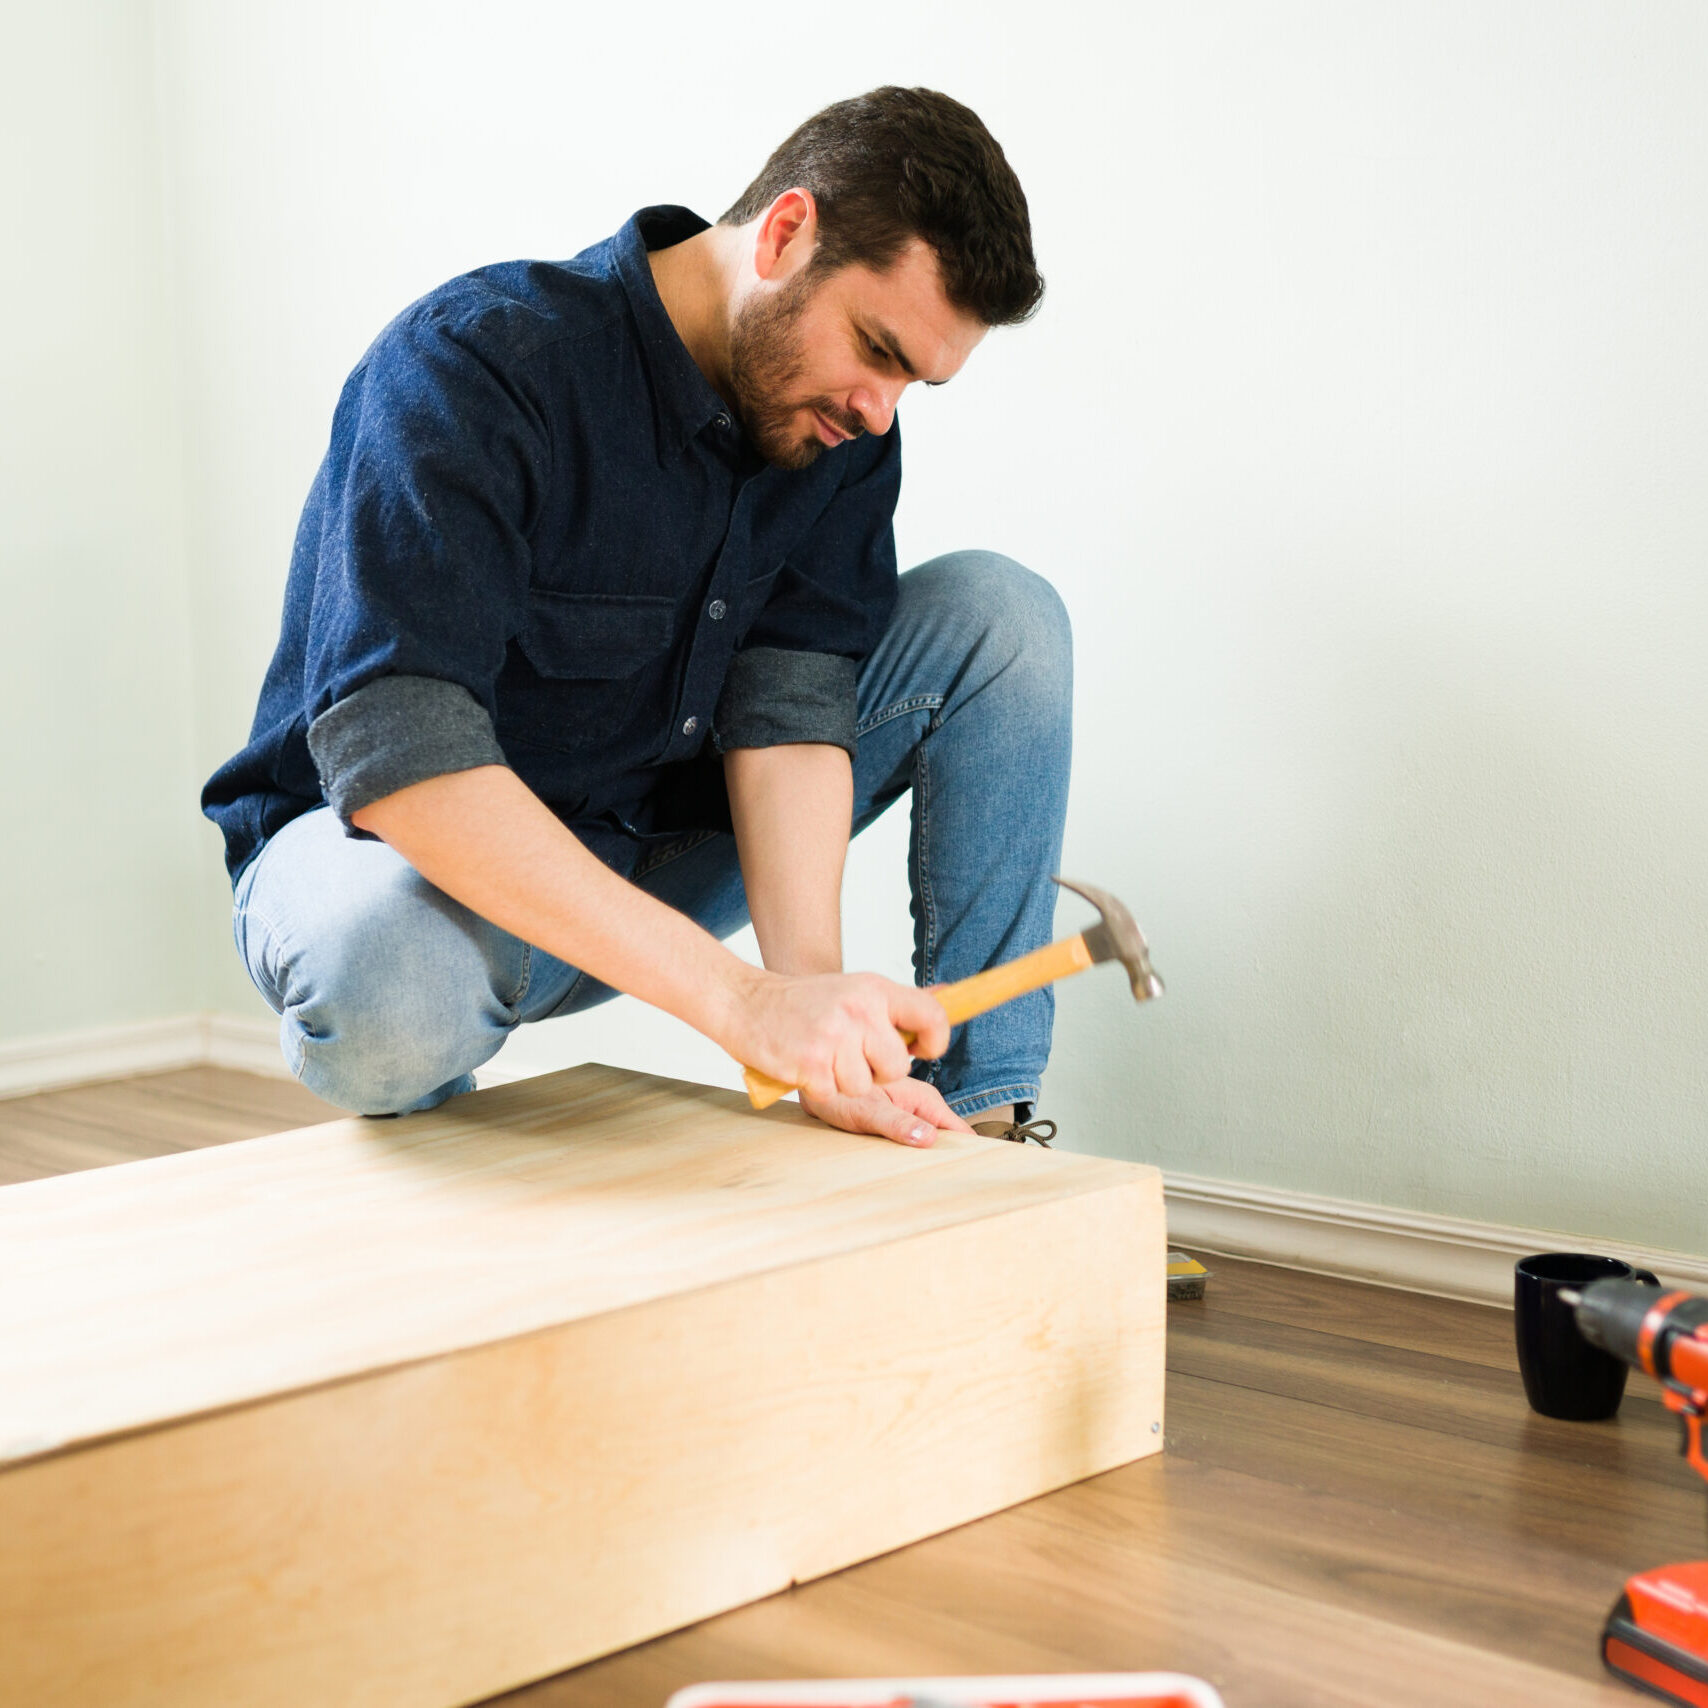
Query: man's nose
[(876, 405)]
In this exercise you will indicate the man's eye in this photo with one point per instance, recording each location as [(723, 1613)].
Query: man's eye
[(878, 350)]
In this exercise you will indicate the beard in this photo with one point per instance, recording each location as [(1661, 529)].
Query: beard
[(765, 366)]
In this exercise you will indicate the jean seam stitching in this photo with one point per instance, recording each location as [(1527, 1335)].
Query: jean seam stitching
[(303, 1035), (674, 851), (275, 938), (1022, 1091), (919, 703), (521, 988)]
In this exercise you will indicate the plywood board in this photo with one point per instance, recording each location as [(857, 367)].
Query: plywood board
[(410, 1412)]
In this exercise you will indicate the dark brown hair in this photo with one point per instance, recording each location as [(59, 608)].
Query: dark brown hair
[(897, 164)]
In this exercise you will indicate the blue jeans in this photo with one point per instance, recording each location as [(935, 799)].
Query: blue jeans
[(390, 993)]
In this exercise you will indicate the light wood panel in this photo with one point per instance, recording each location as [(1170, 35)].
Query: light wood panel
[(203, 1280), (403, 1412)]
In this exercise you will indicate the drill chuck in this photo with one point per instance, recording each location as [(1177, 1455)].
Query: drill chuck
[(1663, 1333)]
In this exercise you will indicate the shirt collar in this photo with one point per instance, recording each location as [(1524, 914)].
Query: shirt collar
[(684, 399)]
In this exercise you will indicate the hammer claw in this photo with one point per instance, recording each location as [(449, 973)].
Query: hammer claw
[(1117, 937)]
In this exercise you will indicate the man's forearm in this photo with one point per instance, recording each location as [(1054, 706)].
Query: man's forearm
[(793, 808), (485, 839)]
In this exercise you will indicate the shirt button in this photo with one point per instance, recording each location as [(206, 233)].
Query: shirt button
[(717, 610), (721, 419), (690, 726)]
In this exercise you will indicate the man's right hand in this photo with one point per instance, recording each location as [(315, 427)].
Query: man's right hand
[(834, 1034)]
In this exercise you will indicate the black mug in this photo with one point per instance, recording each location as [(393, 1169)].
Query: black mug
[(1564, 1376)]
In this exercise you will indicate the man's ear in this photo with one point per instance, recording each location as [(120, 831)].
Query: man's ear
[(787, 232)]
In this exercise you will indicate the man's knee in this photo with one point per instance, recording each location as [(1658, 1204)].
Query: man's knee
[(378, 1048), (389, 997), (1014, 622)]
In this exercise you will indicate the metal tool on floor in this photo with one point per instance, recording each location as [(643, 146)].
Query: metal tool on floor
[(1115, 937), (1656, 1637), (1187, 1277)]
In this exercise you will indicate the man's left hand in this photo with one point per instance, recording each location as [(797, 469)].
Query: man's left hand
[(906, 1110)]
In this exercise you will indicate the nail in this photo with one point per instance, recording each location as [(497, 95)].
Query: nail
[(918, 1135)]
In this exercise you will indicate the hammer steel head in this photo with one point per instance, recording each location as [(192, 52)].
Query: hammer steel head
[(1116, 937)]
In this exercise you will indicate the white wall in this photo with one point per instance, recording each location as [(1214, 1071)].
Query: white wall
[(100, 922), (1364, 431)]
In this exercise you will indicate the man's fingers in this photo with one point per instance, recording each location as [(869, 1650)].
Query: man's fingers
[(815, 1074), (853, 1069), (874, 1115), (887, 1120), (887, 1054), (927, 1101), (908, 1129), (919, 1012), (824, 1079)]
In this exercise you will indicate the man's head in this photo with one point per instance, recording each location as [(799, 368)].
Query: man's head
[(888, 234)]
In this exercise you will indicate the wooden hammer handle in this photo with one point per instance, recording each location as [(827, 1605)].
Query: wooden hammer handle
[(985, 991), (965, 998), (762, 1089)]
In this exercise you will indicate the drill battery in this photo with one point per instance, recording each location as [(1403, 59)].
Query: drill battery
[(1657, 1634)]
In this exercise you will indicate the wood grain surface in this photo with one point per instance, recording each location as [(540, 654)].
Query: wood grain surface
[(392, 1415), (1355, 1508), (183, 1284)]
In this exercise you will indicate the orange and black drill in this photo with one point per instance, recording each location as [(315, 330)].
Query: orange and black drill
[(1657, 1634)]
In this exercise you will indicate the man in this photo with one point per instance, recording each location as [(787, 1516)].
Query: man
[(593, 647)]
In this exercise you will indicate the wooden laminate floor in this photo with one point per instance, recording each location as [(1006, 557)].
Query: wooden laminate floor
[(1355, 1505)]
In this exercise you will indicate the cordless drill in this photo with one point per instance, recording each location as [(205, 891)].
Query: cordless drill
[(1657, 1634)]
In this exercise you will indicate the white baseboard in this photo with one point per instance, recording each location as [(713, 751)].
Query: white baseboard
[(153, 1046), (1442, 1255), (1332, 1236), (251, 1046), (111, 1052)]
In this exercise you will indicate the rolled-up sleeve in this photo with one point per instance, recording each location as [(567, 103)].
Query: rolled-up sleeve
[(773, 696), (795, 675), (396, 731), (419, 526)]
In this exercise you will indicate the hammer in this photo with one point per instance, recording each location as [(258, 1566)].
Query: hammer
[(1115, 937)]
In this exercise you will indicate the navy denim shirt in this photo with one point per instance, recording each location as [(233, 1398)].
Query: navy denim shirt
[(539, 539)]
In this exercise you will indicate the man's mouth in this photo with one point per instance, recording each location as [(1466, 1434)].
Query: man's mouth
[(828, 430)]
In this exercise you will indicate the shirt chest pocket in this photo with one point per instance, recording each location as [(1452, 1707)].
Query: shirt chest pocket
[(594, 636), (595, 664)]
